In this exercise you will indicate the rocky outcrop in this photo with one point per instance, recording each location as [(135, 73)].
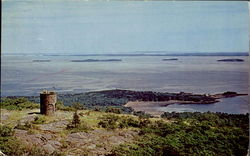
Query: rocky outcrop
[(54, 126), (99, 141), (47, 141), (95, 142)]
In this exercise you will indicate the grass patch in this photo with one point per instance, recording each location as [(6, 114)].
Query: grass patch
[(39, 120), (15, 116)]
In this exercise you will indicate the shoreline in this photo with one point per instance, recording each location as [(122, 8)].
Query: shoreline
[(151, 107)]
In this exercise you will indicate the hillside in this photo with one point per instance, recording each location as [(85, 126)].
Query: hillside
[(93, 132), (42, 135)]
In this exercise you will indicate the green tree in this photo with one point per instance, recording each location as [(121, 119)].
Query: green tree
[(76, 120)]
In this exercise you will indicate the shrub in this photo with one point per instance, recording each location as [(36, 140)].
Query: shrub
[(133, 122), (6, 131), (76, 125), (142, 114), (112, 121), (144, 123), (14, 147), (61, 106), (113, 110), (11, 146), (82, 127), (76, 119), (17, 104), (109, 121), (122, 125), (39, 120), (126, 121), (26, 126)]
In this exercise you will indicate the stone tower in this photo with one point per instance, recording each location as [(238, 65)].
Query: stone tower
[(48, 102)]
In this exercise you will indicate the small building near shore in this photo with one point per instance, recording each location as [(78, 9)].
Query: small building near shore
[(48, 102)]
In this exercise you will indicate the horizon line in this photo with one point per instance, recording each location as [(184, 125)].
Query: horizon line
[(122, 53), (139, 53)]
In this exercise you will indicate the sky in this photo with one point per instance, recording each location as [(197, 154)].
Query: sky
[(90, 27)]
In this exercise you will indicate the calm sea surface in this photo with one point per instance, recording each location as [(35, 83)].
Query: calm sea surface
[(21, 76)]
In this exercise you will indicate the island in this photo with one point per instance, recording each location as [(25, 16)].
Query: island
[(96, 60), (231, 60), (41, 60), (170, 59)]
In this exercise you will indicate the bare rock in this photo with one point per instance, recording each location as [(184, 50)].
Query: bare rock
[(115, 140), (28, 118), (92, 146), (54, 143), (48, 148), (55, 126), (2, 154), (3, 118), (34, 139), (78, 139), (99, 141)]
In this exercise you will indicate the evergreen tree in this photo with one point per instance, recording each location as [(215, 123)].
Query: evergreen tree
[(76, 119)]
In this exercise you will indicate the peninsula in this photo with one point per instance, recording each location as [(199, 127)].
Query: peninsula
[(122, 99)]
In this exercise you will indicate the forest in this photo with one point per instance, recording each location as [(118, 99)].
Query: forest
[(191, 134)]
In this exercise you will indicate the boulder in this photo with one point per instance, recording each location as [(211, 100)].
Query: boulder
[(48, 148)]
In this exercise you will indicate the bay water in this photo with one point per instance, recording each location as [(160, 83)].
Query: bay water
[(21, 76)]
